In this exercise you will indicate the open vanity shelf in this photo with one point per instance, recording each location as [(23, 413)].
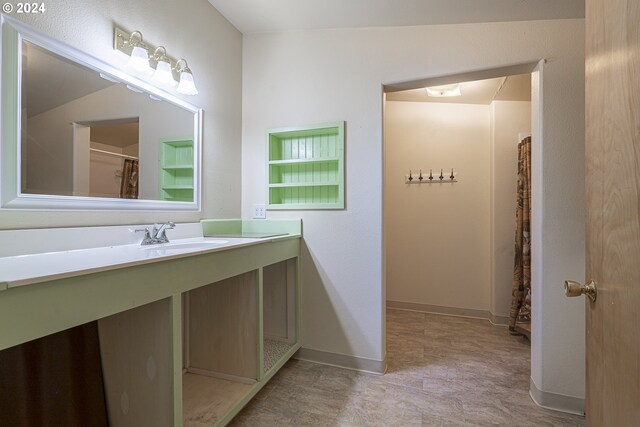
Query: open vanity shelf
[(306, 167), (176, 170), (186, 341), (234, 344)]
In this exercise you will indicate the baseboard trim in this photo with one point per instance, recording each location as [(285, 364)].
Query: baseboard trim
[(450, 311), (338, 360), (498, 320), (554, 401)]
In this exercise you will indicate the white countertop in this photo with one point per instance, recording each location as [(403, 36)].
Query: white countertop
[(29, 269)]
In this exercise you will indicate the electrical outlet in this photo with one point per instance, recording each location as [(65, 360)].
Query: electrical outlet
[(259, 212)]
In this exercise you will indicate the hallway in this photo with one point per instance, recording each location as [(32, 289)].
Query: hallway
[(442, 371)]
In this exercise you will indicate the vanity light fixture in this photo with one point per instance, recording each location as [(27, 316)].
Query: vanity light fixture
[(444, 90), (139, 56), (186, 85), (162, 74)]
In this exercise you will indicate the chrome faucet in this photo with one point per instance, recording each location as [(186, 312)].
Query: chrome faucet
[(158, 234)]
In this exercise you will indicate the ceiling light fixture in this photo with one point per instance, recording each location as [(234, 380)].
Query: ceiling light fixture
[(142, 64), (444, 90)]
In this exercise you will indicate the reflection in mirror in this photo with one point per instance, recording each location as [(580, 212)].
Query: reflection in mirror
[(113, 159), (86, 135)]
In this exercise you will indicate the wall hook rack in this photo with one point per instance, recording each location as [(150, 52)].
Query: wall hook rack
[(422, 179)]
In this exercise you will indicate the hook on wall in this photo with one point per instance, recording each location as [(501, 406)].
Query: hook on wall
[(410, 179)]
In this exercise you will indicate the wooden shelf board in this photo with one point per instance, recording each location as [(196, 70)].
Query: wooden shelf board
[(300, 161), (178, 187), (174, 167), (296, 206), (303, 184), (180, 143), (206, 400)]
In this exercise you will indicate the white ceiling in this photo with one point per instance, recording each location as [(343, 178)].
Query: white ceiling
[(117, 134), (510, 88), (258, 16)]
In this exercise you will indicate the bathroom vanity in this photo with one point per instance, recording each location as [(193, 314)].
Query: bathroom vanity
[(96, 329), (188, 331)]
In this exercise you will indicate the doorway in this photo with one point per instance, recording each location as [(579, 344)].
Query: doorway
[(106, 158), (450, 183), (433, 214)]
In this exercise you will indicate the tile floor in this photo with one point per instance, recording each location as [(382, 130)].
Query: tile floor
[(442, 371)]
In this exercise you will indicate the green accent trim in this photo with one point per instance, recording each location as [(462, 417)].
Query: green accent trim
[(256, 388), (177, 167), (260, 333), (176, 170), (212, 227), (176, 356), (298, 300), (305, 167), (280, 363), (307, 206), (220, 227), (304, 184), (30, 312), (301, 161)]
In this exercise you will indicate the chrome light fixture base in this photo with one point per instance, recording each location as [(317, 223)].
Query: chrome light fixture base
[(166, 71)]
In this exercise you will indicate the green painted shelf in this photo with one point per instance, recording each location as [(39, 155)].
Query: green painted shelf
[(178, 187), (302, 184), (176, 170), (177, 167), (300, 161), (305, 167)]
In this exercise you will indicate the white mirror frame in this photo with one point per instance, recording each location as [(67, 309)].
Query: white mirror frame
[(11, 37)]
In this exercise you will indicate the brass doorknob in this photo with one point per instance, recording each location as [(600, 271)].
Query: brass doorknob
[(575, 289)]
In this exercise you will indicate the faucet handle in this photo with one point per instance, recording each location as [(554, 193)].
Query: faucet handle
[(147, 235), (139, 230), (161, 233)]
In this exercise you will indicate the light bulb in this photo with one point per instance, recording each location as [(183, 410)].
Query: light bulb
[(163, 75), (186, 85), (444, 90), (139, 60)]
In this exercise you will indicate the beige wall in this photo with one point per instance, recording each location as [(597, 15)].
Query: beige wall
[(191, 29), (437, 235), (452, 245), (301, 77)]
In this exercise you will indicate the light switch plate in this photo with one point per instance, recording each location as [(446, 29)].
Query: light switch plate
[(259, 212)]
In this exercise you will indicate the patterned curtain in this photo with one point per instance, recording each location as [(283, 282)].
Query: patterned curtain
[(521, 292), (129, 183)]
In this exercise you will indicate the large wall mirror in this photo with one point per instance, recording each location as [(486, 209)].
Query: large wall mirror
[(81, 134)]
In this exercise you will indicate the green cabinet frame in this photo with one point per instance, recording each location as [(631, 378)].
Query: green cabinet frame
[(176, 170), (305, 167)]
